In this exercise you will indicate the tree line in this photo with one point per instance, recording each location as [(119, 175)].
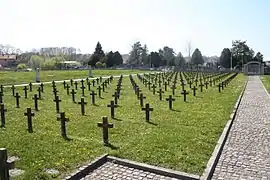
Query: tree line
[(240, 53)]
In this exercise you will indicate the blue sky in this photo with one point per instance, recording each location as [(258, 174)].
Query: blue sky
[(210, 25)]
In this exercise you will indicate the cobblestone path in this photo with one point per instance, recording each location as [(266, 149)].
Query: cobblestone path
[(111, 171), (246, 154)]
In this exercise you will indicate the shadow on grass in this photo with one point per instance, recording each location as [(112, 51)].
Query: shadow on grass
[(95, 105), (149, 122), (68, 139), (109, 145), (199, 97), (175, 110), (101, 97), (117, 119)]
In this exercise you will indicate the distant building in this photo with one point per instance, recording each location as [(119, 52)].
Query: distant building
[(8, 60)]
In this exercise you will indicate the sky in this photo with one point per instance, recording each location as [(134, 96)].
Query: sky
[(209, 25)]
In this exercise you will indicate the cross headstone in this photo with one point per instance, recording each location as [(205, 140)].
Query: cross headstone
[(53, 85), (64, 83), (154, 88), (76, 85), (160, 94), (63, 121), (115, 95), (42, 87), (39, 93), (29, 115), (93, 83), (30, 87), (1, 97), (147, 110), (13, 90), (141, 99), (165, 86), (170, 100), (82, 82), (5, 165), (82, 103), (219, 87), (206, 84), (73, 93), (57, 101), (82, 88), (2, 88), (3, 112), (17, 97), (67, 87), (194, 90), (185, 93), (105, 126), (71, 82), (89, 86), (201, 86), (55, 91), (35, 98), (93, 94), (173, 87), (112, 106), (25, 92), (99, 91), (103, 87)]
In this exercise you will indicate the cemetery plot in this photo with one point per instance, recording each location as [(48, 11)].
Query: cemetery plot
[(63, 135)]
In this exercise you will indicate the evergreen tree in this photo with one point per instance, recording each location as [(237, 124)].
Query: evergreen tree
[(197, 58), (97, 55)]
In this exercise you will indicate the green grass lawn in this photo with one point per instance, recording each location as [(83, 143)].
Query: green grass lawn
[(11, 77), (266, 81), (182, 139)]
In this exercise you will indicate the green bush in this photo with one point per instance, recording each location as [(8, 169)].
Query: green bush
[(21, 66)]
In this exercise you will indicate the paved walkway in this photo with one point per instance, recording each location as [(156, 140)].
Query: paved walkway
[(246, 154), (110, 171)]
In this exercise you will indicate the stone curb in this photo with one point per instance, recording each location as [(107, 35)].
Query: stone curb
[(153, 169), (213, 161), (86, 169)]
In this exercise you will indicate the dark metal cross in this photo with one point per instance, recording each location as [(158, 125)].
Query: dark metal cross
[(160, 94), (1, 97), (165, 86), (73, 93), (147, 110), (105, 126), (67, 87), (17, 97), (5, 165), (93, 83), (82, 82), (57, 100), (115, 95), (55, 91), (30, 87), (63, 121), (76, 85), (89, 86), (173, 87), (13, 90), (99, 91), (39, 92), (29, 115), (201, 86), (3, 111), (82, 103), (53, 85), (190, 83), (35, 98), (2, 88), (93, 94), (112, 106), (71, 82), (206, 84), (25, 92), (141, 99), (103, 87), (82, 88), (42, 87), (185, 93), (194, 90), (170, 100), (64, 83), (154, 88)]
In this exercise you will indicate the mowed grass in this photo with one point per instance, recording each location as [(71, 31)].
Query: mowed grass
[(182, 139), (11, 77), (266, 81)]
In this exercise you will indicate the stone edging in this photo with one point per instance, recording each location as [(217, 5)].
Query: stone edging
[(212, 163), (85, 170)]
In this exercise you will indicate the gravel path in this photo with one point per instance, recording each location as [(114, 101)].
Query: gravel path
[(246, 154)]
